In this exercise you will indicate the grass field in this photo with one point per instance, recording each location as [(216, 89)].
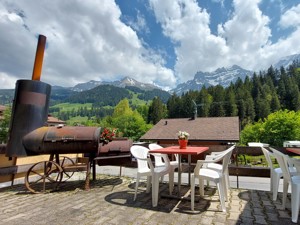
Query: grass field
[(65, 107)]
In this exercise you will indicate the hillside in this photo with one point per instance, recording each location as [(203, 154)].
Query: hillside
[(101, 95)]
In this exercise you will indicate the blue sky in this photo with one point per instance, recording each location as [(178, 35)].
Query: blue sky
[(164, 42)]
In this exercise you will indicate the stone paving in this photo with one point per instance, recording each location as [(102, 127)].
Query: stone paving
[(110, 201)]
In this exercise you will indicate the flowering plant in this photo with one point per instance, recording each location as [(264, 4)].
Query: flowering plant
[(107, 135), (183, 135)]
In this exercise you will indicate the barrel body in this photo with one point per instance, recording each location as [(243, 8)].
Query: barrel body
[(62, 140)]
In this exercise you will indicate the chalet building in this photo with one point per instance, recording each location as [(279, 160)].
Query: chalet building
[(52, 121), (214, 132)]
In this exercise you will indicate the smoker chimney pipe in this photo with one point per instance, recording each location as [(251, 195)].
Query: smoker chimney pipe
[(38, 63)]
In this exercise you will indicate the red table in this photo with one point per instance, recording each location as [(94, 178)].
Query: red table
[(190, 150), (294, 150)]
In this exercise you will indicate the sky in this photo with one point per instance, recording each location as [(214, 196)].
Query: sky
[(163, 42)]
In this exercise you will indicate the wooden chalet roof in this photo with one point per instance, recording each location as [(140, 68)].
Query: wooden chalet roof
[(200, 129), (54, 120)]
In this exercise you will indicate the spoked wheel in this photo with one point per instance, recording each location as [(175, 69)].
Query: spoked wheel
[(64, 163), (43, 177)]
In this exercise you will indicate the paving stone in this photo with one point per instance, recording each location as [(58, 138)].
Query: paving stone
[(110, 201)]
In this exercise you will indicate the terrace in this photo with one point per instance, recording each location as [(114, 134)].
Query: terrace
[(110, 201)]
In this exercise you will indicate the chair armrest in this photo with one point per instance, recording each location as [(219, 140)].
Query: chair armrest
[(200, 163), (150, 163), (215, 158), (295, 163)]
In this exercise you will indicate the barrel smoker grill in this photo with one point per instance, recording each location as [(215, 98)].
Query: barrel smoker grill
[(29, 136)]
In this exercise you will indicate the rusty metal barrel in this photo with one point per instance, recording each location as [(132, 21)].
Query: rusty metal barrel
[(62, 140), (29, 111)]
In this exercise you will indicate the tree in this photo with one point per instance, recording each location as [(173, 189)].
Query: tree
[(173, 106), (275, 129), (157, 111), (252, 133), (187, 107), (122, 108), (4, 125), (230, 106), (204, 101), (128, 122), (143, 110), (281, 126), (217, 107)]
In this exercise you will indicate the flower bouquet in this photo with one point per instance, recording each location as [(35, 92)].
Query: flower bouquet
[(183, 139), (107, 135)]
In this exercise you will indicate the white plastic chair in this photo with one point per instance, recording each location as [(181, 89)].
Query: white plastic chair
[(275, 173), (218, 167), (159, 160), (218, 177), (146, 168), (285, 162)]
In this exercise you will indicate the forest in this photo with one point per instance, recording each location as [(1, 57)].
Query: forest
[(251, 100)]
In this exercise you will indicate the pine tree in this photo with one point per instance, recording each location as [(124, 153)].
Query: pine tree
[(157, 111)]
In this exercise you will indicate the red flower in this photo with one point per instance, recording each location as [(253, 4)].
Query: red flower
[(107, 135)]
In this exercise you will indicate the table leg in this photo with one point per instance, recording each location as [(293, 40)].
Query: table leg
[(189, 162), (179, 175)]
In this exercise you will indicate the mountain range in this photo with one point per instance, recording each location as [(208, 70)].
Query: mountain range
[(221, 76), (126, 81)]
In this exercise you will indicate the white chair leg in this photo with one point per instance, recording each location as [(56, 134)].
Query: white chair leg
[(155, 188), (221, 195), (148, 184), (295, 201), (225, 189), (275, 183), (284, 194), (271, 182), (201, 186), (162, 179), (136, 186), (227, 180), (192, 191)]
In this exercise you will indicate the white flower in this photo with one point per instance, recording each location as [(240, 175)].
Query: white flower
[(183, 135)]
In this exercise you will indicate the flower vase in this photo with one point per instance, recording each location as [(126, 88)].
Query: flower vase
[(182, 143)]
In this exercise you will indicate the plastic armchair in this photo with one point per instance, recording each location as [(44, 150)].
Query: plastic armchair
[(159, 160), (285, 163), (146, 168), (141, 155), (217, 156), (218, 177), (275, 173)]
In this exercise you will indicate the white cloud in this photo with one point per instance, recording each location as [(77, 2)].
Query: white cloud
[(291, 18), (243, 40), (188, 26), (85, 40)]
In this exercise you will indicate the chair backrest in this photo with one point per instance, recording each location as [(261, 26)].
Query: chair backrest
[(141, 155), (226, 159), (224, 156), (153, 146), (157, 157), (283, 163), (268, 155)]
